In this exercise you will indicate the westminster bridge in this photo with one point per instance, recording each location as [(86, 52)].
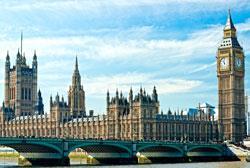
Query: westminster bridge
[(53, 151)]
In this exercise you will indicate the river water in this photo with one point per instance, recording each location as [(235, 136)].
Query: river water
[(7, 162)]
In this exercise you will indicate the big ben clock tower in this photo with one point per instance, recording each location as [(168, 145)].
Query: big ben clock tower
[(230, 73)]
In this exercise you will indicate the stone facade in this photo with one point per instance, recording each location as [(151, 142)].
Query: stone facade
[(230, 72), (134, 118)]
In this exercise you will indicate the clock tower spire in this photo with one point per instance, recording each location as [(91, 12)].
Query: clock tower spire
[(230, 73)]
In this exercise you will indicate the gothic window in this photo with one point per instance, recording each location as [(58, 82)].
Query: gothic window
[(10, 93), (151, 128), (22, 93), (75, 105), (29, 94), (25, 93)]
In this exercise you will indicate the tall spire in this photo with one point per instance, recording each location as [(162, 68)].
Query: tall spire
[(76, 64), (230, 37), (8, 57), (76, 78), (39, 92), (21, 42), (229, 25)]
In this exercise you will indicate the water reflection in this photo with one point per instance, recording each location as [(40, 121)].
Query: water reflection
[(6, 161)]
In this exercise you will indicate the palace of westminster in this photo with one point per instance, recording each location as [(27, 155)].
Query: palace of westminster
[(134, 118)]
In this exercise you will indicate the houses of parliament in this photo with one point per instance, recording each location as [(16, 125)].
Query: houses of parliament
[(136, 117)]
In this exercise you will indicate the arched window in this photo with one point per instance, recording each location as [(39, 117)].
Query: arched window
[(22, 93), (29, 94), (10, 93), (25, 93)]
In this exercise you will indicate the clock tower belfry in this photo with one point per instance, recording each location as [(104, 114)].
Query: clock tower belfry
[(230, 73)]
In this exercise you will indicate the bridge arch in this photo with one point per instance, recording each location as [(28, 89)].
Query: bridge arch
[(158, 150), (202, 151), (115, 147), (163, 146), (216, 148), (31, 147), (104, 152), (36, 152)]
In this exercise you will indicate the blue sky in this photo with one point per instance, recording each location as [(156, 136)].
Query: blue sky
[(170, 44)]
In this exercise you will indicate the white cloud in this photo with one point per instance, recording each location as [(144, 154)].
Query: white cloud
[(243, 27), (202, 67), (90, 5), (117, 48), (97, 86), (92, 47), (201, 43)]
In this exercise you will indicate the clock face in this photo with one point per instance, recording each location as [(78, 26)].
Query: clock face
[(238, 62), (224, 63)]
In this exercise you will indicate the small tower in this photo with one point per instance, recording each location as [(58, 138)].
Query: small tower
[(51, 101), (34, 80), (131, 96), (117, 96), (21, 85), (18, 58), (141, 95), (108, 98), (155, 95), (7, 79), (40, 105)]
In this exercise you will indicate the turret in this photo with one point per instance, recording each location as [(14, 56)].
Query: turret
[(40, 105), (51, 101), (57, 98), (155, 95), (141, 94), (131, 96), (7, 79), (34, 62), (169, 112), (108, 98), (7, 62), (3, 106), (18, 58), (117, 96), (39, 93), (23, 60)]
